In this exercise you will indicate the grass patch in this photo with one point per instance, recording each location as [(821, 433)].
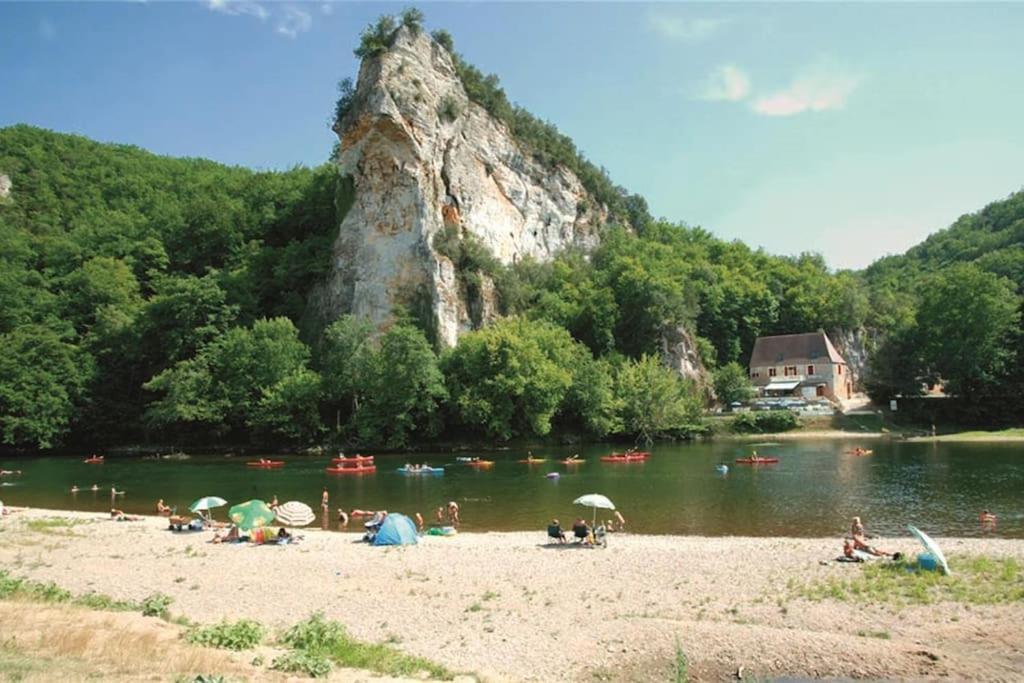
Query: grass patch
[(54, 525), (318, 638), (243, 634), (682, 665), (881, 635), (975, 581), (303, 662), (14, 588)]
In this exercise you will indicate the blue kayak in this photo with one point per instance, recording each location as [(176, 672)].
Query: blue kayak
[(421, 470)]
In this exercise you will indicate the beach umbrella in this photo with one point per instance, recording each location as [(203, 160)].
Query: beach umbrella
[(294, 513), (206, 504), (595, 501), (931, 546), (251, 514)]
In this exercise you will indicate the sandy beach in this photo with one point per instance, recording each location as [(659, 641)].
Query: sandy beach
[(507, 606)]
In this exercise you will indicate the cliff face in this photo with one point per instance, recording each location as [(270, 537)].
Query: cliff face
[(5, 186), (421, 157)]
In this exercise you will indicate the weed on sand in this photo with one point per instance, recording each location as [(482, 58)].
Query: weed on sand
[(975, 581), (320, 639)]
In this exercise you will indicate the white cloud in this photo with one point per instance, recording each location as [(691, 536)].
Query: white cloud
[(327, 8), (685, 30), (239, 7), (819, 88), (47, 31), (294, 21), (727, 83)]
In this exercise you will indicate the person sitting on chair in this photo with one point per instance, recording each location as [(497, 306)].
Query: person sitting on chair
[(555, 531), (580, 530)]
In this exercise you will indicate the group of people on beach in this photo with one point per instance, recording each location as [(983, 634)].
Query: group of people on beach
[(583, 533)]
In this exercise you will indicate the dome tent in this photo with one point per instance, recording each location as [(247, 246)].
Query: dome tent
[(396, 529)]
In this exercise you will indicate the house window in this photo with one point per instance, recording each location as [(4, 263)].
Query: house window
[(771, 372), (810, 369), (755, 374), (840, 369), (790, 370)]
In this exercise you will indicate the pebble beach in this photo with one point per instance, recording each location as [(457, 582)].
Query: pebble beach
[(512, 607)]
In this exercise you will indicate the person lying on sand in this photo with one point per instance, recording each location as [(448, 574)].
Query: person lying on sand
[(119, 516), (231, 536)]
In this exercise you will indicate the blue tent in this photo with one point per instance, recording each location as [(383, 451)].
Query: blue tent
[(397, 529)]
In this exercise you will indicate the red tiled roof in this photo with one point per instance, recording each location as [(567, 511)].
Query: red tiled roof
[(794, 348)]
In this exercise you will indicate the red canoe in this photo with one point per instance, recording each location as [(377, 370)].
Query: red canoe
[(480, 463), (353, 458), (362, 469), (638, 456), (759, 461), (268, 465)]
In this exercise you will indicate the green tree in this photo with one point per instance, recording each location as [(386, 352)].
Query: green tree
[(656, 401), (965, 322), (510, 378), (346, 355), (42, 383), (236, 377), (732, 384), (404, 390)]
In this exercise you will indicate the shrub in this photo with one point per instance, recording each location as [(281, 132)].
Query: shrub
[(315, 634), (156, 605), (243, 634), (768, 421), (299, 661), (448, 110)]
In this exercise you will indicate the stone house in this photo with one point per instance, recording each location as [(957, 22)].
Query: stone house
[(805, 365)]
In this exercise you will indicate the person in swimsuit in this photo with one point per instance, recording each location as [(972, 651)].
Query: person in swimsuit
[(987, 517), (453, 513), (419, 521), (342, 518), (162, 509)]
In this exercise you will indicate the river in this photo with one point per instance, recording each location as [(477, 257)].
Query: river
[(813, 491)]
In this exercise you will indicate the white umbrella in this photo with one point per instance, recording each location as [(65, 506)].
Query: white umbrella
[(294, 513), (931, 546), (595, 500), (206, 504)]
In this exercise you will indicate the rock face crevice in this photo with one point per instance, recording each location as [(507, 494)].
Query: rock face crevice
[(422, 156)]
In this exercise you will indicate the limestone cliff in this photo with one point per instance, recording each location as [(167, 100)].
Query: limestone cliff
[(5, 186), (854, 346), (418, 156)]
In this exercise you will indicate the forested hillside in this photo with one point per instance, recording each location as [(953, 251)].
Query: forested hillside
[(145, 298), (950, 312)]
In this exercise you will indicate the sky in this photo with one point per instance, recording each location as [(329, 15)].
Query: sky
[(853, 130)]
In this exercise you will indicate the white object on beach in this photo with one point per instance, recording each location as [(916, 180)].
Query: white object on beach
[(595, 501), (931, 546), (294, 513)]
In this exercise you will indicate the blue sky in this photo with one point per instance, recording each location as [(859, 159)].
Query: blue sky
[(853, 130)]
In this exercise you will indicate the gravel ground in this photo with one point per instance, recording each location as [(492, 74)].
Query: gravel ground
[(507, 606)]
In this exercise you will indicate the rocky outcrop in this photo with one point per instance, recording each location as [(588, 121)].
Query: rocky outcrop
[(5, 186), (854, 346), (421, 156), (679, 352)]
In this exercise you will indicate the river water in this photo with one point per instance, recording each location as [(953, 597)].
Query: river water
[(813, 491)]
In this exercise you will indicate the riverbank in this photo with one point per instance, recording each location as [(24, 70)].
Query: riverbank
[(507, 606), (1014, 434)]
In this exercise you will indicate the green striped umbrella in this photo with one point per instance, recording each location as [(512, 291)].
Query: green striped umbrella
[(251, 514)]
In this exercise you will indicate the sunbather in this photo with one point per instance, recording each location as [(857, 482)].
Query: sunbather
[(119, 516), (231, 536)]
